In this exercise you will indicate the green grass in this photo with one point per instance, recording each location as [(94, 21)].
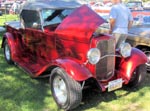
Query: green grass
[(7, 18), (19, 92)]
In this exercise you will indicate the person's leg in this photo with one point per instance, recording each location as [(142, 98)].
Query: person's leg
[(119, 39)]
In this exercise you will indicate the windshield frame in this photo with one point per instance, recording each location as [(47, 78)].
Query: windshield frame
[(54, 16)]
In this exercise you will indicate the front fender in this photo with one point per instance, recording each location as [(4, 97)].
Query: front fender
[(75, 70), (11, 42), (129, 64)]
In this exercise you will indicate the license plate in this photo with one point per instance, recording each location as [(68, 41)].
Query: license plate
[(115, 84)]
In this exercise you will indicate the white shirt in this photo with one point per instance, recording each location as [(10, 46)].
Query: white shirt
[(122, 16)]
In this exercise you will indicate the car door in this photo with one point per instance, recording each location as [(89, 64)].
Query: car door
[(40, 44)]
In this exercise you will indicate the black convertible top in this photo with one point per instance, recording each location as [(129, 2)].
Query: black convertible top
[(53, 4)]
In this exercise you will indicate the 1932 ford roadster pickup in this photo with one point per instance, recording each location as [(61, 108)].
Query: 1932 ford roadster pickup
[(57, 39)]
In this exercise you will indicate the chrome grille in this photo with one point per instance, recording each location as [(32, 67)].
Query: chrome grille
[(105, 67)]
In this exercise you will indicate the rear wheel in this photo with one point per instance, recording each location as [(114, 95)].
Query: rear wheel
[(66, 92), (7, 52), (147, 53), (138, 76)]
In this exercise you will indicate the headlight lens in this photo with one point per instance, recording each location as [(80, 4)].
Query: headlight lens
[(93, 55), (125, 49)]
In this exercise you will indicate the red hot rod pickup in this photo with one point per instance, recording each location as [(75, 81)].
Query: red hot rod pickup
[(57, 39)]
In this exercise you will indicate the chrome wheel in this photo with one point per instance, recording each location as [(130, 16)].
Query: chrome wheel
[(7, 52), (60, 90), (67, 92)]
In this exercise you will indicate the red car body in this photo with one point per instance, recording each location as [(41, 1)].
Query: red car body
[(65, 45)]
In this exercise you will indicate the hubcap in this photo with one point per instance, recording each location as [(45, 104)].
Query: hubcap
[(7, 52), (148, 58), (60, 89)]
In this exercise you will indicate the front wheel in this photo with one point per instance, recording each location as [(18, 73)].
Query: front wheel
[(7, 52), (66, 92), (138, 76)]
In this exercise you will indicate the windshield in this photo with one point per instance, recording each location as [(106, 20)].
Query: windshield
[(51, 17)]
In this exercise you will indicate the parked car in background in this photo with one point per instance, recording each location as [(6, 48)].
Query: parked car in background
[(5, 6), (146, 5), (139, 35), (59, 40), (138, 5), (135, 5)]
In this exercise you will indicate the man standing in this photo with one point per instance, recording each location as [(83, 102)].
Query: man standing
[(120, 21)]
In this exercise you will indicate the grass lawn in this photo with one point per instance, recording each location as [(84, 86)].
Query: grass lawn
[(6, 18), (19, 92)]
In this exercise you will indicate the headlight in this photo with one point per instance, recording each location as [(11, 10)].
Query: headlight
[(125, 49), (93, 55)]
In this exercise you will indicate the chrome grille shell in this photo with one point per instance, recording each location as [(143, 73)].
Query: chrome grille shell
[(105, 67)]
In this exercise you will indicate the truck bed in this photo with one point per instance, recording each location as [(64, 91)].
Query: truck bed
[(14, 24)]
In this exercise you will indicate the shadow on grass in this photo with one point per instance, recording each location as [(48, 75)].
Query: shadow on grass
[(19, 92), (93, 99), (25, 93)]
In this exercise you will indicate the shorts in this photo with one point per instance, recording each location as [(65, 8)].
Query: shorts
[(120, 38)]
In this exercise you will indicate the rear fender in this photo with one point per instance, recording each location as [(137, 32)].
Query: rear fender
[(75, 70), (129, 64), (11, 42)]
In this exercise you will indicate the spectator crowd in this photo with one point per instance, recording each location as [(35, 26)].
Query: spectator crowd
[(11, 6)]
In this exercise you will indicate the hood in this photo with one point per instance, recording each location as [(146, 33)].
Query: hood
[(80, 25), (142, 31)]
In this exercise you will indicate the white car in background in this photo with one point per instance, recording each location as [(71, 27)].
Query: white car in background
[(146, 5)]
